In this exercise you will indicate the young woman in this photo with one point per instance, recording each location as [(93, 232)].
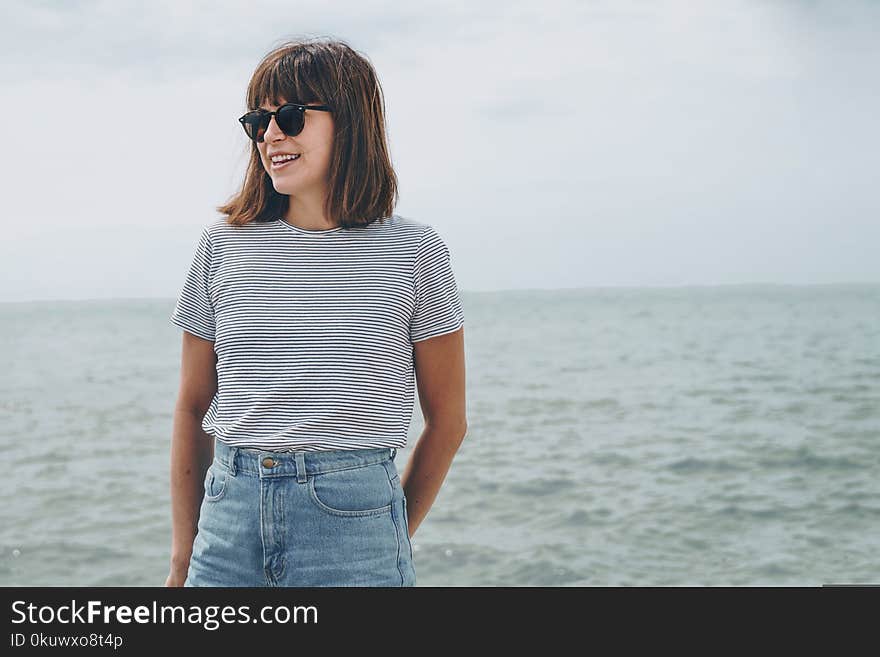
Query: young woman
[(310, 311)]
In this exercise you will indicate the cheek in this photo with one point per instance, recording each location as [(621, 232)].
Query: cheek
[(320, 159)]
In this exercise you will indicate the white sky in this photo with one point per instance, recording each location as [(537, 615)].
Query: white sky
[(552, 144)]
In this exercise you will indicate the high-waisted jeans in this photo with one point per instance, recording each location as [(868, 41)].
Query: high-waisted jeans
[(304, 518)]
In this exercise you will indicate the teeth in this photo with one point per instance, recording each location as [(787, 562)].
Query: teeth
[(284, 158)]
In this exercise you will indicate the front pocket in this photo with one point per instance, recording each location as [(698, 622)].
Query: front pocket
[(361, 491), (215, 482)]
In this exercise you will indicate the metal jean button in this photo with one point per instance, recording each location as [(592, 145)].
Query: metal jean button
[(269, 462)]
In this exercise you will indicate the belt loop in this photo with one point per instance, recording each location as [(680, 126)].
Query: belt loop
[(393, 453), (301, 475), (232, 454)]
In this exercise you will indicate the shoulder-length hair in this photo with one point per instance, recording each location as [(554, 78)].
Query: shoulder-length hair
[(362, 185)]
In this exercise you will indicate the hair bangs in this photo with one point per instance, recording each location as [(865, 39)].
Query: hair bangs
[(287, 78)]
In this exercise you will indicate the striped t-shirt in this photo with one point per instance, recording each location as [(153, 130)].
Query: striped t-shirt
[(314, 329)]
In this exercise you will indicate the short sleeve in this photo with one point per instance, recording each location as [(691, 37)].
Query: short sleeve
[(438, 307), (194, 311)]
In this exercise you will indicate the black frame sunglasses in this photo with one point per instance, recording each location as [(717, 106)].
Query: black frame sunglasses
[(290, 117)]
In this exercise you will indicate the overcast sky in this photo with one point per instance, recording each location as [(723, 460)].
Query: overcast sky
[(551, 144)]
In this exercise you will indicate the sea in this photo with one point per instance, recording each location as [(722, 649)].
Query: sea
[(675, 436)]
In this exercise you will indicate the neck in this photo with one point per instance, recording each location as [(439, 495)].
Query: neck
[(308, 213)]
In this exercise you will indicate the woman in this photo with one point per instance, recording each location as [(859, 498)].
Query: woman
[(309, 312)]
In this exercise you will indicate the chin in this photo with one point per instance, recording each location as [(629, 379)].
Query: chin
[(281, 188)]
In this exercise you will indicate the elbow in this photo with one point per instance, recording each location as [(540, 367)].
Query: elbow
[(459, 431), (451, 431)]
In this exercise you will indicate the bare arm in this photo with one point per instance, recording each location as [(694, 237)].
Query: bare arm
[(192, 450), (440, 375)]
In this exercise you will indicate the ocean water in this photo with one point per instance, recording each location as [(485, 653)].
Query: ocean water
[(617, 436)]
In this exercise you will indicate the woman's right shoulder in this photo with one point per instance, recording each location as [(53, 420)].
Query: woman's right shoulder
[(215, 226), (221, 225)]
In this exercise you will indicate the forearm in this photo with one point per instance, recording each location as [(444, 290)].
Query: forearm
[(427, 468), (192, 451)]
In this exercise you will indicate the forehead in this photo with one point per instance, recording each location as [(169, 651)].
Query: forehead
[(267, 105)]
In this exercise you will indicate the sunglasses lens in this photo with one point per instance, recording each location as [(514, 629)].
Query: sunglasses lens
[(255, 124), (290, 120)]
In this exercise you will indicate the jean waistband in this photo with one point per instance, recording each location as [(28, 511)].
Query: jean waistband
[(263, 462)]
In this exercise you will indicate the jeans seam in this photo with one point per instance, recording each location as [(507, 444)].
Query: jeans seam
[(399, 546)]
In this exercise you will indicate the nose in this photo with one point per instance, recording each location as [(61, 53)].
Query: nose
[(273, 132)]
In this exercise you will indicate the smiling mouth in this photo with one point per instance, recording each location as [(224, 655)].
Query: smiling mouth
[(283, 163)]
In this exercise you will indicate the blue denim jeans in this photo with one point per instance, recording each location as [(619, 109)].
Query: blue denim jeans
[(304, 518)]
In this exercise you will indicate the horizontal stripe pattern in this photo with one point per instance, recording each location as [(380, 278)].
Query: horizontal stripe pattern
[(314, 329)]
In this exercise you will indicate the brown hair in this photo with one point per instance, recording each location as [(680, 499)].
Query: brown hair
[(361, 183)]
